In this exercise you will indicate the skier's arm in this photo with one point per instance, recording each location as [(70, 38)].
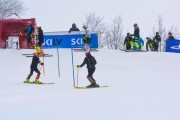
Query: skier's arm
[(84, 62)]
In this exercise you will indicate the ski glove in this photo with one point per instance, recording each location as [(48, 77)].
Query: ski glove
[(20, 33), (77, 66), (42, 63)]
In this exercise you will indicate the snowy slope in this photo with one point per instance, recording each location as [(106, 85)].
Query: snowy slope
[(142, 86)]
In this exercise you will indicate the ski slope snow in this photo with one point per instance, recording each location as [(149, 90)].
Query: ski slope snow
[(142, 86)]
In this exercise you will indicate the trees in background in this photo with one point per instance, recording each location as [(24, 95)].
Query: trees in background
[(109, 36), (9, 7)]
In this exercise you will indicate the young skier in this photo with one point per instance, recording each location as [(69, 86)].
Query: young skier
[(90, 61), (33, 67)]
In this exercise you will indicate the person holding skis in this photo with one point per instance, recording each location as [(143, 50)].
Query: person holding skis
[(33, 67), (30, 33), (73, 28), (90, 61), (156, 41)]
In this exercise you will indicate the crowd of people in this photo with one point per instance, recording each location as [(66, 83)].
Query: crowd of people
[(135, 42)]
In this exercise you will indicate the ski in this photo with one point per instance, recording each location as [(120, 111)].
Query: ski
[(135, 51), (83, 50), (81, 87), (40, 83), (40, 56), (33, 54)]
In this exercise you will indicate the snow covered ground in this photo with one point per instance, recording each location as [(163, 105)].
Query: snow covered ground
[(142, 86)]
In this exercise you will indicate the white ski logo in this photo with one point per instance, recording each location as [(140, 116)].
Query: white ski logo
[(176, 47)]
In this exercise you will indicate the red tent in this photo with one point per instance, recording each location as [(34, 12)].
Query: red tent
[(12, 27)]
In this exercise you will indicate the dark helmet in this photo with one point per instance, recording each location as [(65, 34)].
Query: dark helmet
[(135, 25), (157, 33), (73, 25), (147, 38), (169, 33), (128, 34)]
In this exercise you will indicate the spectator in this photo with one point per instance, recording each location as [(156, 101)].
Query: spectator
[(40, 36), (30, 33), (149, 44), (156, 41), (128, 41), (73, 28)]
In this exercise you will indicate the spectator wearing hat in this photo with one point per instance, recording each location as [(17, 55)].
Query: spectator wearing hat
[(73, 28), (170, 36), (156, 41), (30, 33)]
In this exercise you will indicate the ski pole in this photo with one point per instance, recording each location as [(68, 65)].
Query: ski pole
[(58, 62), (73, 66)]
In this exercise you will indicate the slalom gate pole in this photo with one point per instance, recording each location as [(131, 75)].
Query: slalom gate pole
[(77, 76), (73, 66), (43, 62), (58, 62)]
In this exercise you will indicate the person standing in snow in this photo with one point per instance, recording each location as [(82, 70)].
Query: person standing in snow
[(30, 33), (128, 41), (170, 36), (73, 28), (149, 44), (33, 67), (90, 61), (136, 31), (156, 41), (136, 36), (40, 36)]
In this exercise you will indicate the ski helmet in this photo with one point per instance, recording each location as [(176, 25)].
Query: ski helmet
[(135, 25), (73, 25), (84, 26)]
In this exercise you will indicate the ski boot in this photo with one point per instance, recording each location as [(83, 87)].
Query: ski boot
[(27, 81), (92, 85), (37, 81)]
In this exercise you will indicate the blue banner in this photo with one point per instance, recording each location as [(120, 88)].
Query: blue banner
[(68, 41), (173, 45)]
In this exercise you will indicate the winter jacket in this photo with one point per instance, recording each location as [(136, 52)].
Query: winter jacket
[(35, 61), (90, 61)]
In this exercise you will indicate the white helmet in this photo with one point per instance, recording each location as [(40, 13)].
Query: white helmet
[(84, 26)]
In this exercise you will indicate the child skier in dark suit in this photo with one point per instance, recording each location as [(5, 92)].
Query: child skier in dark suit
[(90, 61), (34, 64)]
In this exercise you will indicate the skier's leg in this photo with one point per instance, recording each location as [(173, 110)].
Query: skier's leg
[(91, 79), (37, 76), (29, 76)]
